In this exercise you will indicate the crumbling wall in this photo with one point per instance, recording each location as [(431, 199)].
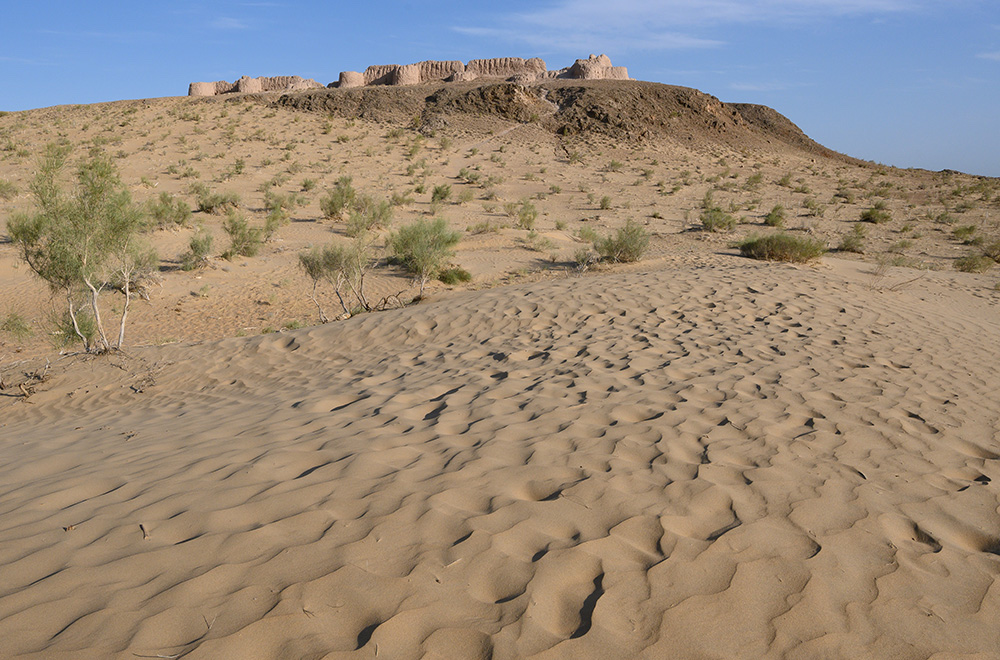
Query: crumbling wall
[(515, 69), (249, 85)]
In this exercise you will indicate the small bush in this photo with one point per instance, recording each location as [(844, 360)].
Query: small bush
[(964, 233), (338, 200), (781, 247), (628, 244), (605, 203), (775, 217), (423, 246), (854, 240), (168, 210), (441, 193), (454, 275), (245, 240), (992, 250), (216, 203), (716, 220), (877, 214), (974, 263), (198, 249), (64, 333)]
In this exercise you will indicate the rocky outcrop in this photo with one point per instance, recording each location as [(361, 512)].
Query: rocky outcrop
[(248, 85), (514, 69)]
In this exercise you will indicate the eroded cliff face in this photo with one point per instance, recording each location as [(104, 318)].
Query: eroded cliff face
[(515, 69)]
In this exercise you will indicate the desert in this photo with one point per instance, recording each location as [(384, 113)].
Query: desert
[(560, 452)]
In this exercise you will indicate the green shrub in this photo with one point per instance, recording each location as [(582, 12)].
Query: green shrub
[(964, 233), (454, 275), (992, 250), (605, 203), (974, 263), (877, 214), (441, 193), (198, 249), (423, 247), (775, 217), (169, 210), (716, 220), (338, 200), (628, 244), (781, 247), (854, 240), (64, 333), (526, 215), (215, 203), (245, 240)]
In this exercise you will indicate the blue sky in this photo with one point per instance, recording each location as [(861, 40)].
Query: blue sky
[(912, 83)]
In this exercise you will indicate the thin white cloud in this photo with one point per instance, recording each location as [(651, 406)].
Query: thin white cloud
[(989, 56), (632, 25), (227, 23)]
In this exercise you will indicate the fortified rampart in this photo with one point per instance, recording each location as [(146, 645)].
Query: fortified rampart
[(516, 69)]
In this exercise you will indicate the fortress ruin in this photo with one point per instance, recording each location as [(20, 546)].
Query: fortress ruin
[(514, 69)]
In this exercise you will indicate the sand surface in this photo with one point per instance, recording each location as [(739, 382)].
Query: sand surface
[(742, 460)]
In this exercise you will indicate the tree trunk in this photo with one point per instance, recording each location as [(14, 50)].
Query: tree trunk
[(121, 327), (94, 293), (76, 326), (322, 315)]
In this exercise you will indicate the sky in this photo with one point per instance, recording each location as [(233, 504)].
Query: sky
[(910, 83)]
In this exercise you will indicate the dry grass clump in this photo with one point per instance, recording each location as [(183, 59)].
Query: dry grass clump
[(974, 263), (781, 247)]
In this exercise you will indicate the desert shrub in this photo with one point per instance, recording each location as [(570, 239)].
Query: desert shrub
[(781, 247), (338, 200), (441, 193), (716, 220), (423, 247), (526, 215), (775, 217), (854, 240), (88, 240), (974, 263), (992, 250), (484, 227), (454, 275), (216, 203), (469, 176), (341, 265), (199, 248), (628, 244), (964, 233), (583, 257), (877, 214), (587, 234), (308, 185), (8, 190), (368, 214), (605, 203), (400, 200), (169, 210), (16, 326), (244, 240)]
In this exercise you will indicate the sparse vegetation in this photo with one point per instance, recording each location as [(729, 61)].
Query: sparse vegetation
[(244, 240), (974, 263), (16, 326), (199, 248), (338, 200), (423, 247), (877, 214), (781, 247), (89, 240), (775, 217), (716, 220), (626, 245), (168, 210), (854, 240)]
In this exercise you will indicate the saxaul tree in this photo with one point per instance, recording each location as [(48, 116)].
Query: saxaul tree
[(85, 241)]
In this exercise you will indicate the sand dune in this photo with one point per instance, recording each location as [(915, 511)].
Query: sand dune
[(742, 460)]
